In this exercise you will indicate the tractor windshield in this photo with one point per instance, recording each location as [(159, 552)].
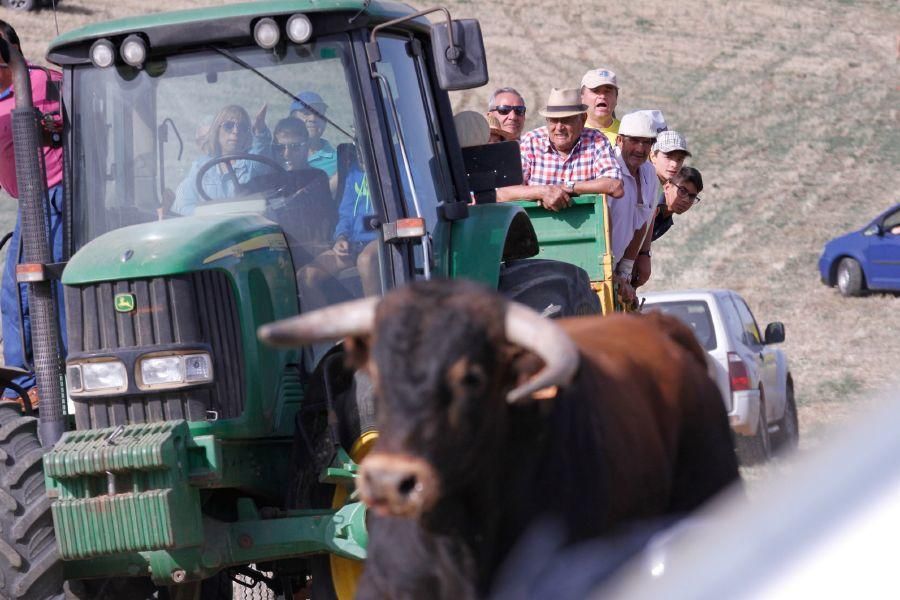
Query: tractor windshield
[(217, 131)]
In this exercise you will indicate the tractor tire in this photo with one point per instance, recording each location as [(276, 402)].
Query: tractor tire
[(30, 568), (755, 449), (553, 288), (29, 563), (788, 436), (850, 279)]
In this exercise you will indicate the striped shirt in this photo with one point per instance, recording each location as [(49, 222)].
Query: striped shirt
[(591, 158)]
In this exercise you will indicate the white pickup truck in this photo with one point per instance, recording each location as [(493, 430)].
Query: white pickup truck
[(752, 374)]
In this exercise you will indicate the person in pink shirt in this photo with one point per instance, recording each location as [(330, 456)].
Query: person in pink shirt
[(14, 297)]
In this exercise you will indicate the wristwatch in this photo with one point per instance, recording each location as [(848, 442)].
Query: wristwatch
[(644, 253), (570, 187)]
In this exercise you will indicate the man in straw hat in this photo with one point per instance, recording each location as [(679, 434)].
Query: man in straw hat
[(563, 159)]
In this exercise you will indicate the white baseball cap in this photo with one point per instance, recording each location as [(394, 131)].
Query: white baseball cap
[(638, 124), (597, 77), (659, 121)]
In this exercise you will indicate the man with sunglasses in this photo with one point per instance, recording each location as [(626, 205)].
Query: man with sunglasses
[(508, 107), (14, 306), (631, 215), (563, 159)]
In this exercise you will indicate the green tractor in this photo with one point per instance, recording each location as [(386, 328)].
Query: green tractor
[(174, 454)]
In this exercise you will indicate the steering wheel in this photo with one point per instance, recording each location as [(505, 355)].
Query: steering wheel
[(241, 189)]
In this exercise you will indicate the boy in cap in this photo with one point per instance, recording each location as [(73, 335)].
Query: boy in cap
[(600, 92), (668, 155), (564, 159), (310, 108)]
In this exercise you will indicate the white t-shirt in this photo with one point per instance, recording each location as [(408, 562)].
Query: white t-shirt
[(628, 213)]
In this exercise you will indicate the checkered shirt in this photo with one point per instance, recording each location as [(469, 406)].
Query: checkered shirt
[(591, 158)]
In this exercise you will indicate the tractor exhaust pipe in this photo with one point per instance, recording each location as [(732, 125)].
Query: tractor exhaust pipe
[(31, 176)]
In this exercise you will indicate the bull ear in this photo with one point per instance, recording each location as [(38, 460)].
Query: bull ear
[(525, 365), (356, 352)]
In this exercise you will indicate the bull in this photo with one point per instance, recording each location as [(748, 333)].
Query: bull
[(492, 417)]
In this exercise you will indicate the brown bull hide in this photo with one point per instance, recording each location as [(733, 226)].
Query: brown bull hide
[(640, 431)]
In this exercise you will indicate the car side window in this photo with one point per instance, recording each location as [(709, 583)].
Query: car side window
[(891, 224), (748, 322)]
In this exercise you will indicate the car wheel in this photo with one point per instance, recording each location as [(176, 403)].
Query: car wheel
[(850, 277), (20, 4), (755, 449), (788, 435)]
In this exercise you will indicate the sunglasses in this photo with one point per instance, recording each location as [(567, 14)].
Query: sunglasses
[(293, 147), (232, 126), (505, 109), (683, 191)]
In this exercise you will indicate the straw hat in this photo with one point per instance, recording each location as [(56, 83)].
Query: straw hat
[(471, 128), (563, 103)]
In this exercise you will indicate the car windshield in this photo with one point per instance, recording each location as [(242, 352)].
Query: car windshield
[(694, 313), (218, 131)]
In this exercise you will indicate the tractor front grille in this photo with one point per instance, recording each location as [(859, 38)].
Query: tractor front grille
[(195, 309)]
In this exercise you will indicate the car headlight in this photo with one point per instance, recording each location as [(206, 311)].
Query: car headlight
[(98, 376), (173, 370)]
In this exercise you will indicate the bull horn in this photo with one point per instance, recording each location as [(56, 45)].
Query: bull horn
[(527, 329), (333, 322)]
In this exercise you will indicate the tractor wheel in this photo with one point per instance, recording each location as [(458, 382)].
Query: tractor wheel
[(788, 435), (756, 449), (29, 564), (334, 577), (850, 280), (553, 288)]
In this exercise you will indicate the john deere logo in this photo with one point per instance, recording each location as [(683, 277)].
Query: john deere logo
[(124, 302)]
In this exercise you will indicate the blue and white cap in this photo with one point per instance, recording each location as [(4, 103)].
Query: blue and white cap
[(597, 77)]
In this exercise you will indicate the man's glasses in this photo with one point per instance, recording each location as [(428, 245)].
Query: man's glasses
[(232, 126), (505, 109), (293, 147), (683, 191)]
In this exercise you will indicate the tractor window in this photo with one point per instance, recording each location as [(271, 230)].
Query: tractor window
[(403, 68), (227, 131)]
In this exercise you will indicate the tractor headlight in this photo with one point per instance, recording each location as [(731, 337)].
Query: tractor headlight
[(98, 376), (134, 51), (299, 28), (266, 33), (103, 54), (174, 370)]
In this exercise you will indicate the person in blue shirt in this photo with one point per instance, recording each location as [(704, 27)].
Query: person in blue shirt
[(355, 244), (231, 132), (310, 108)]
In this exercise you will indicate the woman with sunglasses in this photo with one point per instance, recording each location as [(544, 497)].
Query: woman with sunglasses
[(231, 132)]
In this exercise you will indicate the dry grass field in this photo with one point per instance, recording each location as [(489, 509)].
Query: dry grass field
[(792, 111)]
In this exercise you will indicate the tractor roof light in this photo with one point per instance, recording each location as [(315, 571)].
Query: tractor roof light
[(103, 54), (266, 33), (299, 28), (134, 51)]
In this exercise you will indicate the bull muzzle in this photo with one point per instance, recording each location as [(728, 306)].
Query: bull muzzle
[(397, 485)]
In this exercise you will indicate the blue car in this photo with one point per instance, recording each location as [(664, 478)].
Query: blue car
[(868, 259)]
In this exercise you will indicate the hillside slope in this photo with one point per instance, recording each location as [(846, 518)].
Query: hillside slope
[(791, 112)]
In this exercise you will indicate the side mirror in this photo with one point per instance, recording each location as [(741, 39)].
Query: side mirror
[(873, 229), (491, 166), (775, 333), (457, 49)]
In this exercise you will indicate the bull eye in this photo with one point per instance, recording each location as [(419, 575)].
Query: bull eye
[(474, 379)]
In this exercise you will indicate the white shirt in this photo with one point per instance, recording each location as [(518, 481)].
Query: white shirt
[(628, 214)]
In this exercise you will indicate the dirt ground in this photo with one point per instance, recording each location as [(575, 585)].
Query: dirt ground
[(791, 111)]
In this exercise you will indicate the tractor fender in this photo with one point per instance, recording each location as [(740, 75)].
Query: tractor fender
[(491, 234)]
